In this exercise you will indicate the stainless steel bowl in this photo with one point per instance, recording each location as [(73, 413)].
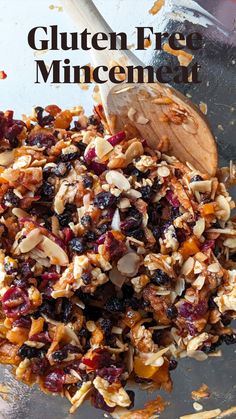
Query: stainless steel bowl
[(217, 90)]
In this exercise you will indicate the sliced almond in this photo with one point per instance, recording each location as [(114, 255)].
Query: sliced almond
[(128, 265), (153, 357), (115, 224), (224, 208), (214, 267), (187, 266), (124, 203), (31, 241), (203, 186), (134, 150), (102, 147), (133, 194), (131, 113), (113, 177), (54, 252), (231, 243), (199, 282), (207, 414), (7, 158), (163, 171), (197, 341), (116, 277), (19, 213), (199, 227), (142, 120)]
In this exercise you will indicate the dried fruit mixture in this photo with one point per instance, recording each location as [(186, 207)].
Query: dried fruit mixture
[(115, 259)]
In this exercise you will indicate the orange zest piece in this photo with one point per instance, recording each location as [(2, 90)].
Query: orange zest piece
[(190, 247), (142, 370), (207, 209)]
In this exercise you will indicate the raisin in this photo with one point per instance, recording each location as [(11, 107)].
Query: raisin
[(11, 199), (156, 232), (47, 191), (77, 245), (86, 220), (104, 200), (106, 325), (196, 178), (172, 312), (103, 228), (87, 181), (66, 310), (62, 169), (156, 186), (90, 236), (84, 333), (131, 395), (26, 351), (86, 278), (58, 356), (156, 336), (42, 140), (160, 278), (146, 192), (172, 364), (138, 234), (229, 339), (65, 218), (68, 157), (114, 305)]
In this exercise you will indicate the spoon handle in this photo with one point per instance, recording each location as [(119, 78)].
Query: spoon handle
[(86, 15)]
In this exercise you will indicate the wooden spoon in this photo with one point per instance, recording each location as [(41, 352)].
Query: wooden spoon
[(158, 112)]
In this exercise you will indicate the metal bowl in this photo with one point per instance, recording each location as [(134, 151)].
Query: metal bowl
[(217, 90)]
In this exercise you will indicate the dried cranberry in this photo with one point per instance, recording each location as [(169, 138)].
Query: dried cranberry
[(172, 199), (26, 269), (209, 244), (15, 302), (77, 245), (68, 235), (42, 337), (117, 138), (114, 247), (55, 380), (39, 366), (23, 322), (160, 278), (111, 374), (97, 168), (101, 358), (42, 140), (104, 200), (193, 312)]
